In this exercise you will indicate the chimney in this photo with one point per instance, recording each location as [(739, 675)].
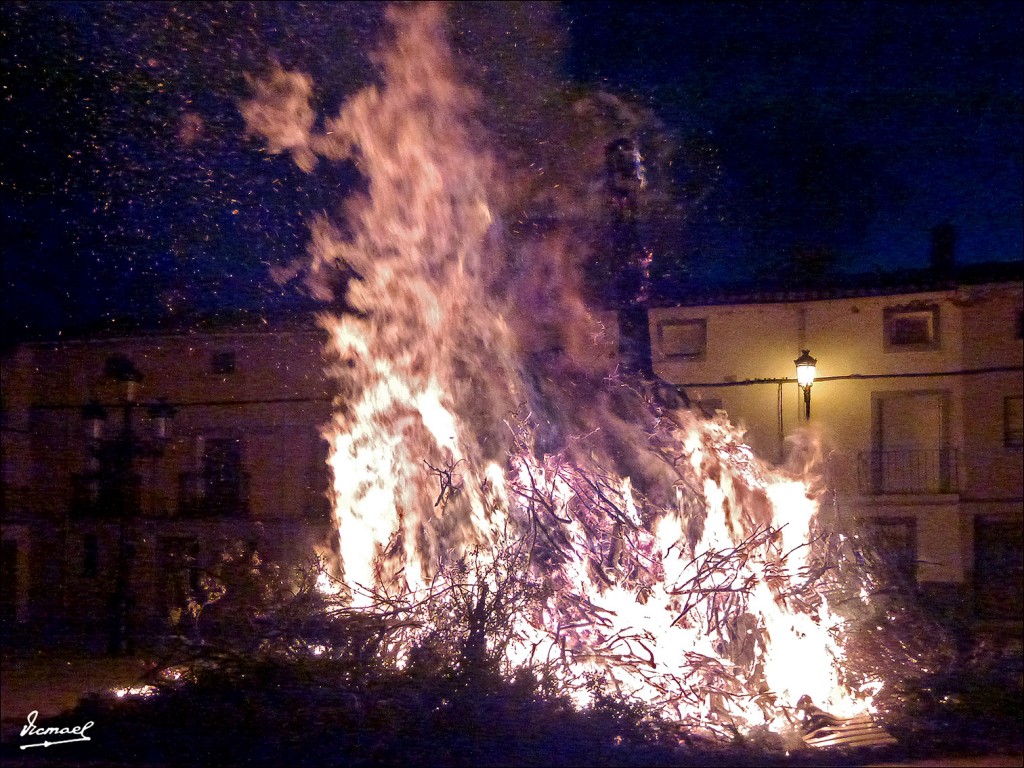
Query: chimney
[(943, 248), (630, 279)]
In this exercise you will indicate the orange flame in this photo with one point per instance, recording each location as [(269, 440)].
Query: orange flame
[(673, 559)]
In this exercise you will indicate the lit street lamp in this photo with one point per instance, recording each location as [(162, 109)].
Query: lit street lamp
[(114, 461), (805, 377)]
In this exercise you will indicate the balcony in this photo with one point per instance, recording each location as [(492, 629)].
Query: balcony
[(100, 495), (18, 501), (908, 472), (213, 495)]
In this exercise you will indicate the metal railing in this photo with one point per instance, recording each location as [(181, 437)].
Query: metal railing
[(201, 495), (910, 471), (103, 495)]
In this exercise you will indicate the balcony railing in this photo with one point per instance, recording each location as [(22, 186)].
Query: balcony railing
[(103, 495), (915, 471), (202, 495)]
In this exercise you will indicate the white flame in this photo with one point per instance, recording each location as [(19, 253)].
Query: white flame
[(428, 465)]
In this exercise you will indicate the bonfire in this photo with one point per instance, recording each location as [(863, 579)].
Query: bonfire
[(486, 448)]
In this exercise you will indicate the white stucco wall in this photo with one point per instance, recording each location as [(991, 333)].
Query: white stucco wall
[(747, 342)]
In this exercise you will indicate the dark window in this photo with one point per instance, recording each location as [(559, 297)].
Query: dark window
[(683, 339), (222, 362), (911, 328), (90, 555), (223, 475), (999, 577), (912, 454), (121, 368), (1013, 421), (219, 484)]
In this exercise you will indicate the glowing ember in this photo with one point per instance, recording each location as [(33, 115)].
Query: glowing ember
[(143, 691), (478, 439)]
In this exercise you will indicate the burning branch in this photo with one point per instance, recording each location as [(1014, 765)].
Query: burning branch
[(654, 550), (449, 485)]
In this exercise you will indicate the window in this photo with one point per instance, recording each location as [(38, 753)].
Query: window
[(912, 454), (219, 484), (1013, 421), (683, 339), (121, 368), (222, 475), (90, 555), (998, 571), (222, 362), (911, 328)]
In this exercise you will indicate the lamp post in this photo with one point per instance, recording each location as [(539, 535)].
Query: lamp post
[(805, 378), (114, 458)]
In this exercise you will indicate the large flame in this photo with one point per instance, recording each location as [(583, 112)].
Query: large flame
[(474, 419)]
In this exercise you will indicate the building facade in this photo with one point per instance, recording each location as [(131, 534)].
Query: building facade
[(113, 510), (916, 408), (144, 460)]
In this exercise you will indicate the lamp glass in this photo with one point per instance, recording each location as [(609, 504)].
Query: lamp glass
[(161, 413), (93, 416), (805, 375), (805, 369)]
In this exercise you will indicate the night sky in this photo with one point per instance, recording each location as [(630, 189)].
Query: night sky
[(131, 193)]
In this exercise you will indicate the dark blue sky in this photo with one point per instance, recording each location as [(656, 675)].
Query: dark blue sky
[(130, 191), (855, 127)]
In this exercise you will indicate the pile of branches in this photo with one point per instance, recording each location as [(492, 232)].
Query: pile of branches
[(581, 518), (576, 533), (534, 601)]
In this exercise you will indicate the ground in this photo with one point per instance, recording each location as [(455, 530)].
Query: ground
[(52, 683)]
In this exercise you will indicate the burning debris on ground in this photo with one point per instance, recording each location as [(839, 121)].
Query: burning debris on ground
[(314, 681)]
